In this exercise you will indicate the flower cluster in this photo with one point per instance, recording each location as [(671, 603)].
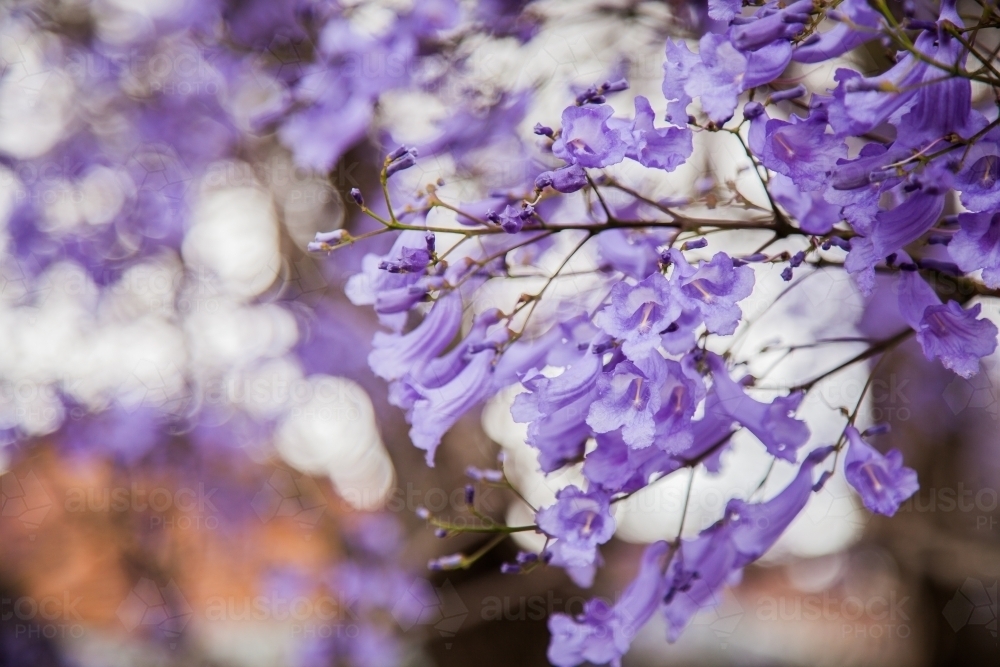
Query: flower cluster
[(635, 380), (575, 280)]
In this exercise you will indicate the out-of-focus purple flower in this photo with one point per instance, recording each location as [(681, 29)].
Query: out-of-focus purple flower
[(587, 140), (633, 252), (883, 482), (724, 10), (446, 388), (602, 633), (507, 18), (386, 290), (948, 332), (771, 423), (639, 313), (677, 71), (578, 521), (465, 131), (431, 16), (660, 148), (977, 245), (814, 214), (255, 22), (555, 410), (341, 86)]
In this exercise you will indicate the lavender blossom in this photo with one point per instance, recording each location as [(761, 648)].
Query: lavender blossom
[(586, 138), (977, 245), (602, 633), (578, 522), (780, 433), (955, 335), (639, 313), (883, 482)]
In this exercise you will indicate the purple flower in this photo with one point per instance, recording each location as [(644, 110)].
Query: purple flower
[(465, 130), (628, 397), (660, 148), (771, 423), (681, 391), (392, 291), (602, 634), (586, 139), (438, 391), (781, 25), (882, 481), (947, 332), (634, 252), (697, 572), (555, 410), (904, 224), (941, 104), (814, 214), (718, 79), (318, 143), (801, 149), (844, 37), (977, 245), (710, 436), (703, 565), (979, 178), (617, 468), (430, 16), (766, 64), (512, 219), (436, 409), (757, 526), (724, 10), (507, 18), (565, 179), (393, 355), (638, 314), (713, 288), (578, 522), (677, 71)]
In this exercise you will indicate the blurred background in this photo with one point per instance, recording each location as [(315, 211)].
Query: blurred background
[(198, 467)]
